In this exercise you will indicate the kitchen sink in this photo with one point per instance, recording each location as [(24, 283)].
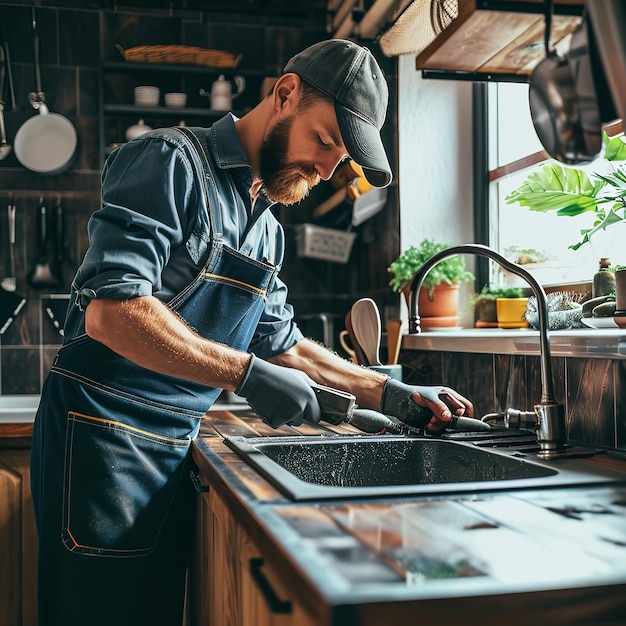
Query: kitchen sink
[(18, 409), (345, 466)]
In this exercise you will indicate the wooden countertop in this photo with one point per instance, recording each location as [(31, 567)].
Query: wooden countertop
[(547, 546)]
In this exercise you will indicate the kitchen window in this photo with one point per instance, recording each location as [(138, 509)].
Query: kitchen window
[(539, 241)]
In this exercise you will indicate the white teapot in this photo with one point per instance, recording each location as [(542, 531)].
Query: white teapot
[(137, 129), (222, 94)]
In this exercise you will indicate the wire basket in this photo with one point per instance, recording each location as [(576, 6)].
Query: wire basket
[(190, 55), (328, 244)]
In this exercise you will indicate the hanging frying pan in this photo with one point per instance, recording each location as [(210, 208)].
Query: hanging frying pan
[(46, 143), (563, 98)]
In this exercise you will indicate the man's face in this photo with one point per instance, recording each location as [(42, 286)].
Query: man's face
[(299, 151)]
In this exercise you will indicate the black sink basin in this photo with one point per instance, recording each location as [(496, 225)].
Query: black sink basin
[(362, 466)]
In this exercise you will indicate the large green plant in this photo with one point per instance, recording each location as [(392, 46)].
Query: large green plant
[(570, 191), (449, 271)]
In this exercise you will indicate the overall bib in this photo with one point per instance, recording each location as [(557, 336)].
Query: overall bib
[(111, 456)]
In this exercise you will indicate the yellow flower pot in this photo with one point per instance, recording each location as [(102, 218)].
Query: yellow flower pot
[(511, 312)]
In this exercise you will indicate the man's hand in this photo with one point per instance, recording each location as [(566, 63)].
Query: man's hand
[(279, 395), (424, 406)]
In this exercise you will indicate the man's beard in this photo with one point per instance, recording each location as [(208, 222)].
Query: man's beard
[(283, 182)]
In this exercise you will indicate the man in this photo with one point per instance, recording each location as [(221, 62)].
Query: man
[(177, 299)]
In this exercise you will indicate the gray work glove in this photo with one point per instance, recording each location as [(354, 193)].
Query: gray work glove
[(279, 395), (397, 401)]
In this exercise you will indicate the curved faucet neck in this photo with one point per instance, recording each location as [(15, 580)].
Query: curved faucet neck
[(547, 390)]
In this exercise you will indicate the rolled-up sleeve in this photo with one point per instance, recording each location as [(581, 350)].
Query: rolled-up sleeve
[(146, 190), (276, 331)]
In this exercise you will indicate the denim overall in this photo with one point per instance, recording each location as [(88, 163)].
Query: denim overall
[(111, 455)]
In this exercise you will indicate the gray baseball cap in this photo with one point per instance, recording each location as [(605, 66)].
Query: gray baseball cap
[(350, 74)]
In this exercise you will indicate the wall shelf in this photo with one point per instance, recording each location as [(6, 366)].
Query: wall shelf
[(117, 81), (491, 39)]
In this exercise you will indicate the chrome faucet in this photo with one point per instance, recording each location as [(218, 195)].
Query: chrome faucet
[(549, 416)]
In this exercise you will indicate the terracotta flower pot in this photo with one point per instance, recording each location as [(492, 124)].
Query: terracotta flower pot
[(441, 310), (487, 311)]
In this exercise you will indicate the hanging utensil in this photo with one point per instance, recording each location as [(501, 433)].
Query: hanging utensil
[(59, 241), (367, 328), (11, 303), (5, 148), (9, 71), (9, 282), (46, 143), (42, 276)]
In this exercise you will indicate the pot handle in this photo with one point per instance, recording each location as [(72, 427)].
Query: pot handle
[(240, 84), (549, 6), (37, 97)]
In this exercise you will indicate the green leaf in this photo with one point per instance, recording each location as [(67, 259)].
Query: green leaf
[(615, 149), (616, 179), (611, 218), (554, 187)]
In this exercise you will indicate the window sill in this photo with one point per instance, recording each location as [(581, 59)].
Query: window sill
[(580, 343)]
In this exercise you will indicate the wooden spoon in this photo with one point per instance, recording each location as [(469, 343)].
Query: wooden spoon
[(367, 328)]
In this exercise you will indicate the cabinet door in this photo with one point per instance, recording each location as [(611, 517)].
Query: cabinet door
[(265, 599), (10, 546), (233, 583), (214, 593), (18, 541)]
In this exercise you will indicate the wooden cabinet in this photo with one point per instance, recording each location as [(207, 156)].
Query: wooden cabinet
[(18, 541), (233, 582)]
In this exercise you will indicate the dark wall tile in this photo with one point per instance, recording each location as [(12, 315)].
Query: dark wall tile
[(20, 371), (88, 88), (620, 403), (591, 401), (79, 44), (510, 382), (131, 30), (422, 368), (480, 384), (534, 383)]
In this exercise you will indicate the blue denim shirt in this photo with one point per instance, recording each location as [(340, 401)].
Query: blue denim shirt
[(151, 237)]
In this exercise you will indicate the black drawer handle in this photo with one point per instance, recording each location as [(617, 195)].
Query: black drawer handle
[(275, 604), (195, 479)]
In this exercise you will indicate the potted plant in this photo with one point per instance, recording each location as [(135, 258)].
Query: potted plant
[(486, 303), (438, 299), (571, 191)]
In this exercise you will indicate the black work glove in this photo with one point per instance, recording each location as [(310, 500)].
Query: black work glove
[(397, 401), (279, 395)]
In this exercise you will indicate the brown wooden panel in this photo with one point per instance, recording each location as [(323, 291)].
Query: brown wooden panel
[(495, 41), (483, 35), (24, 514), (16, 430), (11, 539), (523, 53)]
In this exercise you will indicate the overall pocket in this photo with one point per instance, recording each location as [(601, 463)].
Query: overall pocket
[(119, 483)]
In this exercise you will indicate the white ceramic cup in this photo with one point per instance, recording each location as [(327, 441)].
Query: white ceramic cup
[(147, 96), (175, 100)]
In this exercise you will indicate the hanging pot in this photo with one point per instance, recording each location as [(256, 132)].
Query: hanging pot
[(563, 102), (46, 143)]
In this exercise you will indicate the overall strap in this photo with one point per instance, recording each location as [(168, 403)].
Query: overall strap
[(200, 163)]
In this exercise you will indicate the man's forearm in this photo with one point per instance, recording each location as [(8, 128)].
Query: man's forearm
[(148, 333), (328, 368)]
